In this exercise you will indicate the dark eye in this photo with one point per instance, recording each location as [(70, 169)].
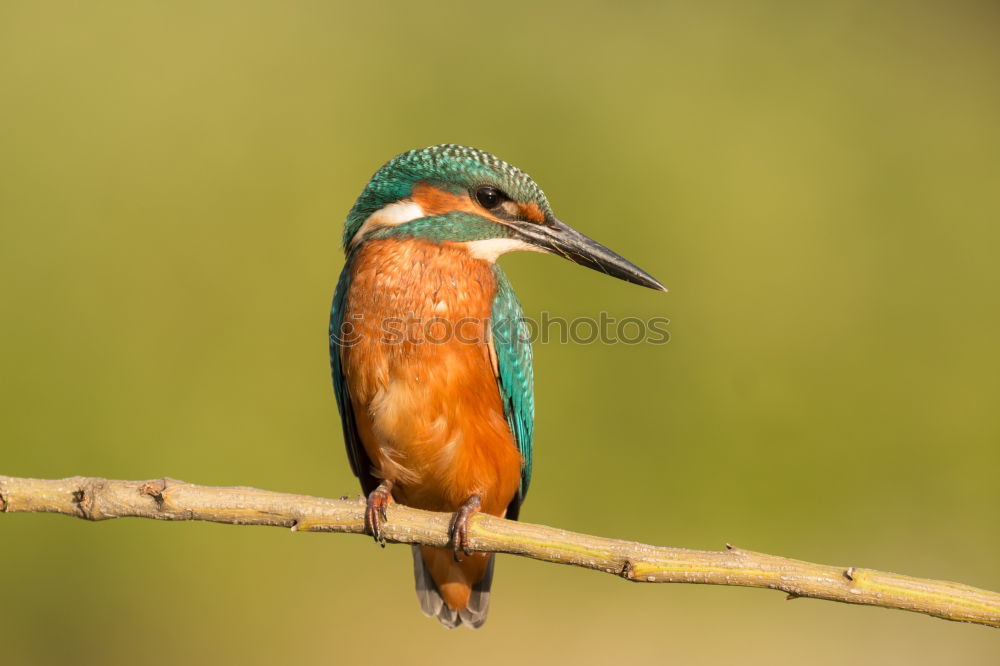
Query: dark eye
[(489, 197)]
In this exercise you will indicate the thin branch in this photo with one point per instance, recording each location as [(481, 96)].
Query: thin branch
[(169, 499)]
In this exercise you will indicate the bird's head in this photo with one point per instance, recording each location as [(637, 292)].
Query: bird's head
[(456, 194)]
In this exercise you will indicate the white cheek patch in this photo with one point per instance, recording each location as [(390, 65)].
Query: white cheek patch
[(491, 248), (393, 215)]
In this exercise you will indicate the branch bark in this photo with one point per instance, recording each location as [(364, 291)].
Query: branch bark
[(169, 499)]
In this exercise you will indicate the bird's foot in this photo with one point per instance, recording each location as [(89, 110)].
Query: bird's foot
[(375, 512), (459, 529)]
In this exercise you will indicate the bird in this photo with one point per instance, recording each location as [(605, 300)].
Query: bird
[(430, 356)]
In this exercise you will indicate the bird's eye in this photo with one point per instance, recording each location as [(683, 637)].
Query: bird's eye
[(489, 197)]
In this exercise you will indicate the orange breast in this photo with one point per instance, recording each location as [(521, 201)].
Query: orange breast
[(421, 379)]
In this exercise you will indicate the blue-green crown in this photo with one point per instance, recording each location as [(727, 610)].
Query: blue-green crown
[(448, 166)]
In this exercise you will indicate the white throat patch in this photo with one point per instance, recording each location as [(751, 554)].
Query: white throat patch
[(491, 248), (393, 215)]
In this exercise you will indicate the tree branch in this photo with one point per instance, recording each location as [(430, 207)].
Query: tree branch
[(169, 499)]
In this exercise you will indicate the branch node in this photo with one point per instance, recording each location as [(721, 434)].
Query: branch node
[(849, 573), (155, 490), (792, 596), (82, 502), (627, 571), (86, 497), (730, 546)]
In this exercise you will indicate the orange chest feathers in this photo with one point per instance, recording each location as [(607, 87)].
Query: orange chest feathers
[(421, 375)]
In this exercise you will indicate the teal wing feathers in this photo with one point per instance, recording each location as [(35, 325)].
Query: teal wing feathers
[(340, 335), (512, 344)]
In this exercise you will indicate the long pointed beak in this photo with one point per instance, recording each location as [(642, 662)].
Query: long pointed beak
[(558, 238)]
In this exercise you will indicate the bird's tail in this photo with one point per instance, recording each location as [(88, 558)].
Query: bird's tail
[(432, 603)]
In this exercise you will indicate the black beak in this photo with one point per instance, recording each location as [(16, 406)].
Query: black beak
[(558, 238)]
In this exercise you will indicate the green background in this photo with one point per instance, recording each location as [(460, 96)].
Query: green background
[(816, 183)]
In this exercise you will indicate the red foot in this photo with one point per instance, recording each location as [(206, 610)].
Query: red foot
[(459, 529), (375, 513)]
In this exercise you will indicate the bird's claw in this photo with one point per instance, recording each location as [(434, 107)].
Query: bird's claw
[(376, 511), (459, 529)]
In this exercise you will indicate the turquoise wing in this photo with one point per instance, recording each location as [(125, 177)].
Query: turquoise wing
[(340, 335), (512, 343)]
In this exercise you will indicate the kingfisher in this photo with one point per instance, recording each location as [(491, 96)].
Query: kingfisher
[(431, 357)]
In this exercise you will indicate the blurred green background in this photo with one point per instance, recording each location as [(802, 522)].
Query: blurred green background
[(817, 183)]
